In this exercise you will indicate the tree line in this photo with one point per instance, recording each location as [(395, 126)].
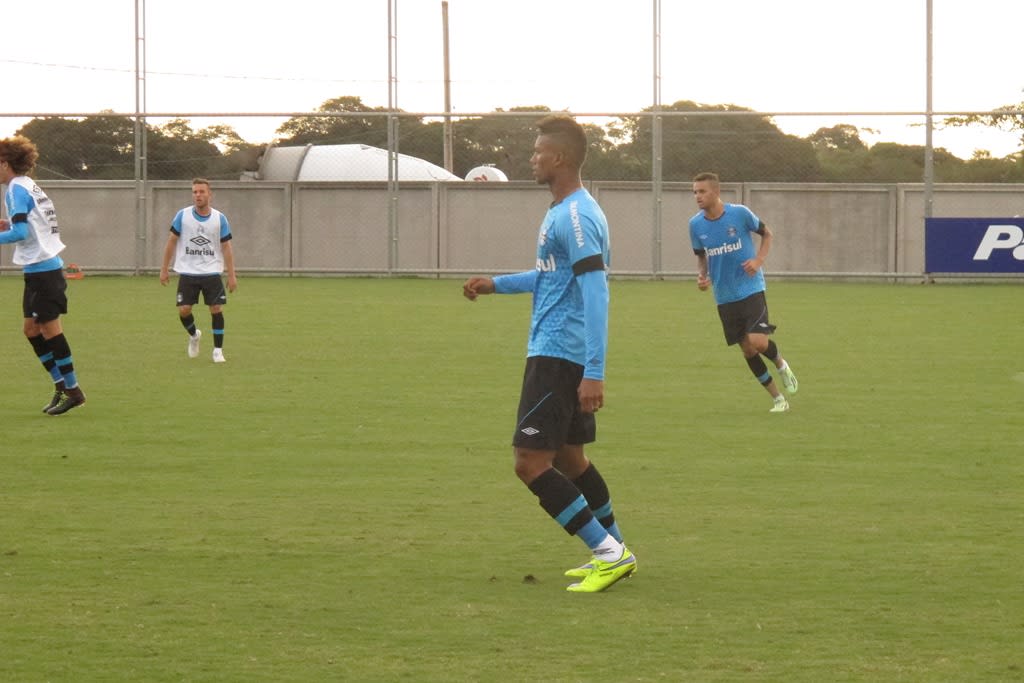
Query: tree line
[(737, 143)]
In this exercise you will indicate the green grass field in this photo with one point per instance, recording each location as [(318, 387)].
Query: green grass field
[(337, 501)]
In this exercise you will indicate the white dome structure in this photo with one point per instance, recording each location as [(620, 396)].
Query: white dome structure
[(487, 173), (343, 163)]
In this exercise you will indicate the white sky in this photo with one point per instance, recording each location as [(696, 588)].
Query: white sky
[(580, 55)]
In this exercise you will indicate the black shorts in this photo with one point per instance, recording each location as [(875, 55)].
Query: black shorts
[(212, 287), (45, 296), (743, 317), (549, 407)]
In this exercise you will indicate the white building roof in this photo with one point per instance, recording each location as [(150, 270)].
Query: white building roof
[(345, 163)]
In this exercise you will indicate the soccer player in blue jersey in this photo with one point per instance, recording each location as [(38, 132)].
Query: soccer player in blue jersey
[(32, 226), (727, 260), (200, 246), (563, 385)]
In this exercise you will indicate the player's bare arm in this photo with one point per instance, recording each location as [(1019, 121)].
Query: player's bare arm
[(703, 281), (165, 274), (229, 266), (751, 266), (475, 286)]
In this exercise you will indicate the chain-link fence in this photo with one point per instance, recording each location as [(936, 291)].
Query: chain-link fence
[(354, 187), (685, 138), (370, 192)]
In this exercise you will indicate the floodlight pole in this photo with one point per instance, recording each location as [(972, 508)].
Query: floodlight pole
[(392, 135), (140, 135), (929, 151), (656, 144), (447, 92)]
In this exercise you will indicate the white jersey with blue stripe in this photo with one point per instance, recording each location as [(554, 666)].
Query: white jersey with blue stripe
[(199, 241), (573, 235), (37, 247), (728, 241)]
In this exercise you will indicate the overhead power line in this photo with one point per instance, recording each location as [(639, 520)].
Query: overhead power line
[(107, 69)]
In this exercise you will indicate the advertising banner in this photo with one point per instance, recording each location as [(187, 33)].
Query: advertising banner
[(974, 245)]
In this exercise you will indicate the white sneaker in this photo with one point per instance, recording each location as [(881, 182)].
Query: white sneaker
[(218, 356), (789, 380), (781, 405), (193, 344)]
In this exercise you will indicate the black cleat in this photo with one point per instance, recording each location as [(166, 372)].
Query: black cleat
[(72, 399), (58, 394)]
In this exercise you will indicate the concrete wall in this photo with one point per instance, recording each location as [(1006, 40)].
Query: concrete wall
[(955, 200), (490, 227)]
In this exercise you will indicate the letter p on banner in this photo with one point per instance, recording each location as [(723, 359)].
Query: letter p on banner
[(974, 245), (1000, 237)]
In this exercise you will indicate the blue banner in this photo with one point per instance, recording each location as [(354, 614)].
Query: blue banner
[(974, 245)]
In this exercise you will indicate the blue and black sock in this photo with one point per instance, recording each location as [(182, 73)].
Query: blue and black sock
[(189, 323), (217, 327), (45, 355), (593, 487), (62, 357), (759, 369), (567, 506)]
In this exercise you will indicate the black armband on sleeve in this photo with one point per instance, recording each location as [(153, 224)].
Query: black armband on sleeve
[(760, 228), (585, 265), (700, 252), (19, 218)]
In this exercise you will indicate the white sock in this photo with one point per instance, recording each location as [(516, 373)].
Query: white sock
[(609, 550)]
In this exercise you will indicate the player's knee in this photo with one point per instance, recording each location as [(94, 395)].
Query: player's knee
[(530, 464), (754, 344)]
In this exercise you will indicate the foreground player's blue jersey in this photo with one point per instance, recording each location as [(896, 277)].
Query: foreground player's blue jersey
[(573, 253), (728, 241)]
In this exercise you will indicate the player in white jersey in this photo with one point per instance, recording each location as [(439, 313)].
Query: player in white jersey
[(32, 226), (200, 245)]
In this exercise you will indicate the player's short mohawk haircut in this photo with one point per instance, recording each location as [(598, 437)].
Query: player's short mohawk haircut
[(567, 132)]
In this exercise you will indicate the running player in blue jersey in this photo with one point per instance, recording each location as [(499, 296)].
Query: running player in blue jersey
[(563, 385), (200, 246), (727, 260), (32, 226)]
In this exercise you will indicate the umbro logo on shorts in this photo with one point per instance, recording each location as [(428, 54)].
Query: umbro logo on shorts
[(530, 431)]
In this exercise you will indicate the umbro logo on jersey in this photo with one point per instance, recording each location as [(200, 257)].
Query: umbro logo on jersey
[(530, 431), (199, 241)]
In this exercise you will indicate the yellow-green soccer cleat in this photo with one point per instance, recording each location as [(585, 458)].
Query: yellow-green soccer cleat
[(780, 405), (584, 569), (604, 574), (580, 571), (789, 380)]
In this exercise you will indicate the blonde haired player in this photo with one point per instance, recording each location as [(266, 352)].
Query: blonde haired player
[(200, 245), (722, 236)]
